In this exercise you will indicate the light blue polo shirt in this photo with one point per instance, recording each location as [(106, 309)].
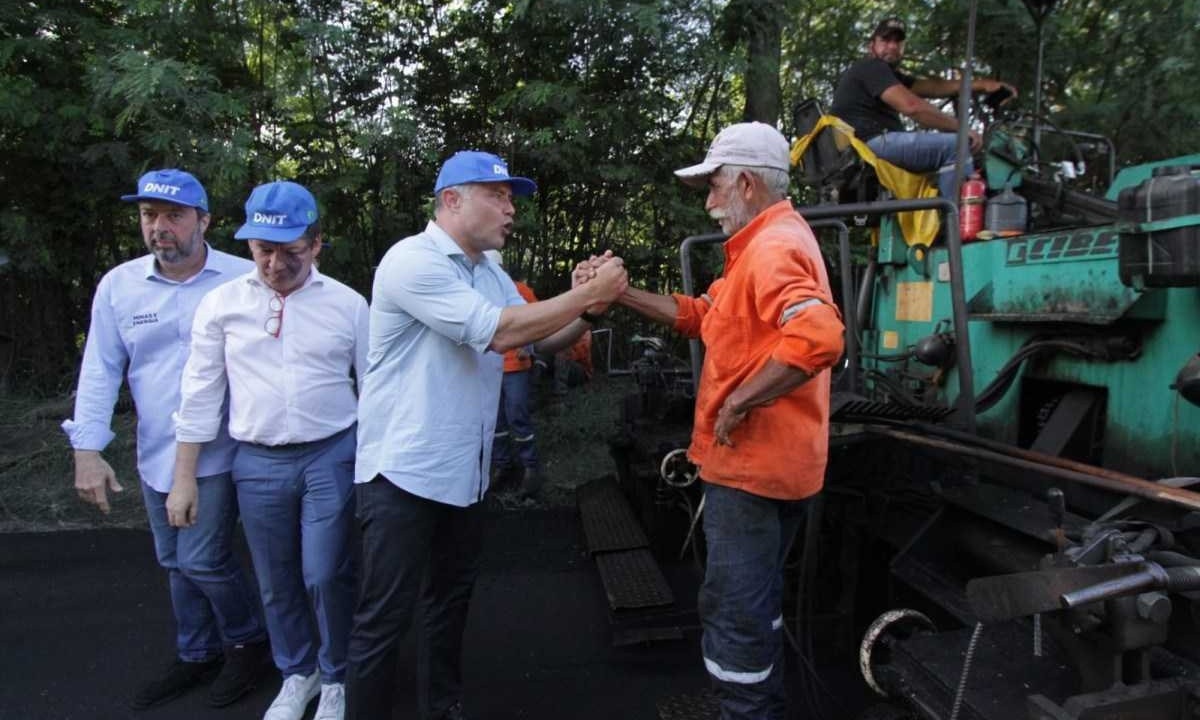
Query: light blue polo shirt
[(427, 409), (142, 321)]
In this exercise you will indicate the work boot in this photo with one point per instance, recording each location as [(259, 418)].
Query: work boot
[(179, 677), (244, 667), (531, 482)]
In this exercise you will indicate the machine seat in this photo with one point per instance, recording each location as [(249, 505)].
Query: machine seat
[(834, 168)]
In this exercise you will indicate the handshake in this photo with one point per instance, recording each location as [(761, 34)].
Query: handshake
[(602, 278)]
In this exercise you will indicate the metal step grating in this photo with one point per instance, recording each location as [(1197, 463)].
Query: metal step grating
[(866, 411), (701, 705), (608, 521), (633, 580)]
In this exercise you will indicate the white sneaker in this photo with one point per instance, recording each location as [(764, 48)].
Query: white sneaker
[(333, 702), (294, 696)]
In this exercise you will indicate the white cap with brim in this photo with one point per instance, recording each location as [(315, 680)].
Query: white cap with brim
[(752, 144)]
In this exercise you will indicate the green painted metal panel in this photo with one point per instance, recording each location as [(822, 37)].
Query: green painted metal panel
[(1136, 174), (1042, 285)]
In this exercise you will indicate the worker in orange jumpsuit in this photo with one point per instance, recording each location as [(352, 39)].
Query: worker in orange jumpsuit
[(761, 431), (573, 365), (514, 421)]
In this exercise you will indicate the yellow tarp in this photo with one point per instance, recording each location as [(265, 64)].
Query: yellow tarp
[(918, 226)]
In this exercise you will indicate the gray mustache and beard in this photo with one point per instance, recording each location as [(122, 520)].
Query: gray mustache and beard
[(733, 217)]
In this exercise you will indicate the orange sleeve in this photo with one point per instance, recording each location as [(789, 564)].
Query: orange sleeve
[(790, 295), (689, 314), (526, 292), (690, 311), (812, 340)]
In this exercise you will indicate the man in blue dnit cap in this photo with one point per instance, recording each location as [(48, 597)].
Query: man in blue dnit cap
[(140, 317), (284, 340), (442, 315)]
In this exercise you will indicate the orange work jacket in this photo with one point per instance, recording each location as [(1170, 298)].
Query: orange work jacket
[(512, 363), (581, 352), (772, 302)]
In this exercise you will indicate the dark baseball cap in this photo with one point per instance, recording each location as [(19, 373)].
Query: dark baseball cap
[(890, 27)]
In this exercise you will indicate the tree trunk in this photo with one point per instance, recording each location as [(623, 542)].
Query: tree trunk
[(764, 36)]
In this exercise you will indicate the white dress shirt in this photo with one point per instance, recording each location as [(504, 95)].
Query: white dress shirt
[(288, 389)]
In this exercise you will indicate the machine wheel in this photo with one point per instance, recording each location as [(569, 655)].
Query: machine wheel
[(873, 651)]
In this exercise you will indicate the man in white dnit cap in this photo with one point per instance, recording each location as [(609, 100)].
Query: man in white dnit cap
[(761, 431)]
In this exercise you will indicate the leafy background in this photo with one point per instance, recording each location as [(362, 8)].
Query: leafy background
[(361, 100)]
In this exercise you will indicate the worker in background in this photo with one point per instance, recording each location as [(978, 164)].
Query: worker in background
[(284, 343), (873, 93), (514, 421), (573, 366), (761, 433), (141, 324)]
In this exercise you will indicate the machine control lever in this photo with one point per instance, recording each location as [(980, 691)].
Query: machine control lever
[(1149, 576)]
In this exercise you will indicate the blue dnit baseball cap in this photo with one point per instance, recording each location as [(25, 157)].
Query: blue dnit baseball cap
[(278, 212), (173, 186), (473, 166)]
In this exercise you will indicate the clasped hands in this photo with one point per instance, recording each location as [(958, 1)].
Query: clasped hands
[(605, 275)]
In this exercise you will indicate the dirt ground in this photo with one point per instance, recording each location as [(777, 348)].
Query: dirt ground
[(37, 481)]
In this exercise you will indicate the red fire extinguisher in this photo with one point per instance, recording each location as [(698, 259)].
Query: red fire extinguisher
[(970, 207)]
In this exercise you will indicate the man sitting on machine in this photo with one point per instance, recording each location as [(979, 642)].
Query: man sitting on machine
[(872, 94)]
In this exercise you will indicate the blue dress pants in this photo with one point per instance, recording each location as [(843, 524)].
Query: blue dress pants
[(298, 512), (213, 602), (417, 554), (741, 599)]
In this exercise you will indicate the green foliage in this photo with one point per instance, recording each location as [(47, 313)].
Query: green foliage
[(598, 100)]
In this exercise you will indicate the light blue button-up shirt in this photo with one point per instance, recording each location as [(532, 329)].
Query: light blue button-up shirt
[(142, 321), (427, 409)]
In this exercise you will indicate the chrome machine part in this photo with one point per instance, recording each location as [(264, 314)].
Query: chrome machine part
[(893, 621)]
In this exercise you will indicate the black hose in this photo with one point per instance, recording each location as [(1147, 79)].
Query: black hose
[(998, 387), (865, 295)]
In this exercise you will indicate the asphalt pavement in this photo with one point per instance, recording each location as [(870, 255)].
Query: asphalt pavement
[(85, 619)]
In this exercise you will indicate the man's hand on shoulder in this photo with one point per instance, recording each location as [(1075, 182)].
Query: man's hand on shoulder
[(94, 477)]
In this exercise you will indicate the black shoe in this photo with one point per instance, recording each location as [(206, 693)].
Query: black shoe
[(454, 712), (244, 667), (531, 482), (496, 478), (179, 678)]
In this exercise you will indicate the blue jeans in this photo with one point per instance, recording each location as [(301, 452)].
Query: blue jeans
[(420, 559), (298, 511), (213, 602), (923, 152), (513, 422), (741, 599)]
